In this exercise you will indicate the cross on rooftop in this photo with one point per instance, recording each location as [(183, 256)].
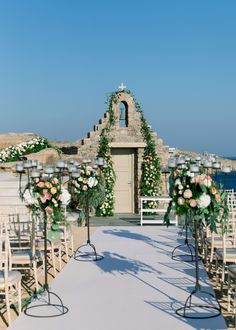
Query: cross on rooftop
[(122, 87)]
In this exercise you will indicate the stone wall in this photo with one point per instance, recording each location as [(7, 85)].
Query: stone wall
[(9, 139)]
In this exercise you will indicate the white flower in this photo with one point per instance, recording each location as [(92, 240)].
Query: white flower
[(203, 201), (92, 182), (177, 182), (65, 196), (29, 199)]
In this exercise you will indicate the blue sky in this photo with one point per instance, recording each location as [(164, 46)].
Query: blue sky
[(60, 59)]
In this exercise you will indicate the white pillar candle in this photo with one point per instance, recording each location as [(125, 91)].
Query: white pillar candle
[(19, 168), (172, 163), (28, 164), (75, 175), (194, 168), (49, 170), (60, 163), (226, 169), (216, 165), (35, 174), (207, 164)]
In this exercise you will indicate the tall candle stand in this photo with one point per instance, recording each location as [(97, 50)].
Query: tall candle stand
[(46, 308), (88, 252), (193, 310), (189, 255)]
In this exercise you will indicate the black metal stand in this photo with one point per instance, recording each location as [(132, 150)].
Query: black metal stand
[(184, 256), (90, 254), (45, 299), (194, 309)]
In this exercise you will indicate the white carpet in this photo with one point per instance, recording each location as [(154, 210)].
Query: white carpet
[(137, 286)]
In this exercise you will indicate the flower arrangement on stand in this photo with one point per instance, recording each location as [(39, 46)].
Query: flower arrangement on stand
[(198, 196), (46, 195), (87, 188)]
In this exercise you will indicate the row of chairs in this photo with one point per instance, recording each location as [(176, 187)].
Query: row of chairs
[(219, 249), (22, 241)]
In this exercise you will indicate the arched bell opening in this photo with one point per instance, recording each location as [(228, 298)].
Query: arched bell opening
[(123, 114)]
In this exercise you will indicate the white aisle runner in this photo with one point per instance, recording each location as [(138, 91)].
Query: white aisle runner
[(137, 286)]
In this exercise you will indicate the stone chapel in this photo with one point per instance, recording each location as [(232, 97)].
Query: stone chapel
[(127, 147)]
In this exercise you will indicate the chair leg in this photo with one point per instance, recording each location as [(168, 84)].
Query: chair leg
[(8, 305), (60, 257), (217, 272), (66, 249), (229, 293), (72, 244), (222, 275), (35, 276)]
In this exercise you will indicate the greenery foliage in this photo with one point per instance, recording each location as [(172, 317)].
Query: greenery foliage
[(150, 180), (107, 208)]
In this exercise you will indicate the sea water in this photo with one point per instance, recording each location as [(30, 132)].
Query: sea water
[(226, 181)]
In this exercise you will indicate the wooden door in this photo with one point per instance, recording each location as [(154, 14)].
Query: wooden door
[(123, 160)]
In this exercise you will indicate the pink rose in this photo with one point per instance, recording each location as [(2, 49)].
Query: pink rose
[(181, 201), (85, 188), (54, 181), (47, 195), (188, 193), (48, 184)]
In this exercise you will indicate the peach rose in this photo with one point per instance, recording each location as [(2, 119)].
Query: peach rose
[(40, 184), (213, 190), (192, 202), (53, 190)]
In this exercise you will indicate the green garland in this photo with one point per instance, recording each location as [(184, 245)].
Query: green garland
[(107, 208), (150, 179)]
